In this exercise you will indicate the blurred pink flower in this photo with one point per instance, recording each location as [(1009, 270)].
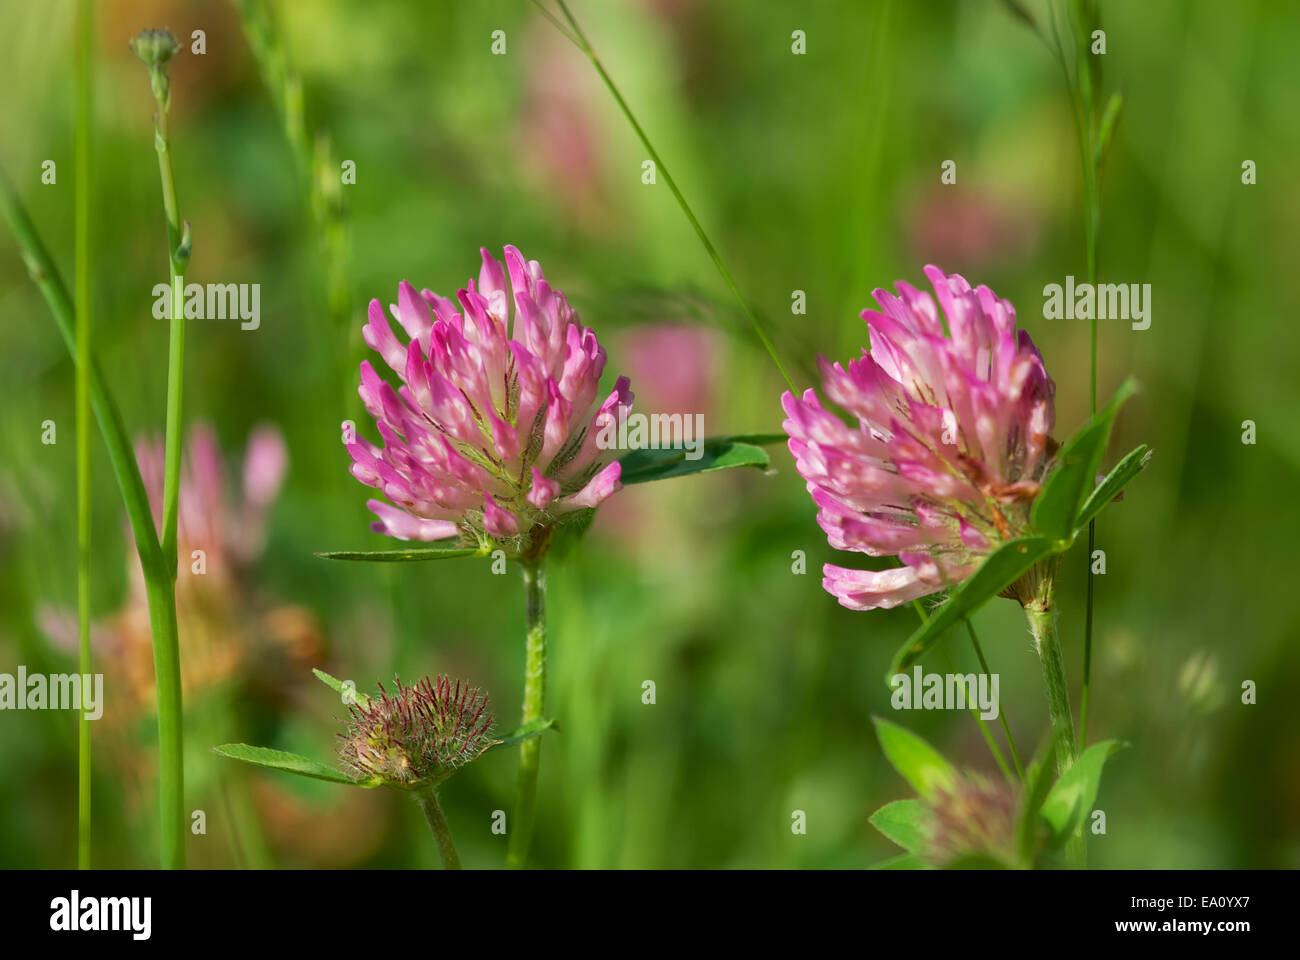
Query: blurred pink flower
[(491, 432), (230, 536), (673, 365), (953, 436), (948, 224), (213, 601)]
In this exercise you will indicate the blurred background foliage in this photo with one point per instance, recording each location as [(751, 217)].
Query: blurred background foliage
[(818, 173)]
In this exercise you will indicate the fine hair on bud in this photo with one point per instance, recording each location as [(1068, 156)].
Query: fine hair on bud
[(419, 735)]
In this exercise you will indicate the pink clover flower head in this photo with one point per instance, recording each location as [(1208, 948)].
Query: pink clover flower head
[(952, 441), (494, 430)]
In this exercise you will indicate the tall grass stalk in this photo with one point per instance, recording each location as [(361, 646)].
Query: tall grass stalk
[(320, 174), (167, 672), (578, 38), (85, 41)]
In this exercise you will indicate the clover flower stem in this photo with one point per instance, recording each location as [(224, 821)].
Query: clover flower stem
[(579, 39), (534, 709), (428, 800), (1042, 624), (85, 40), (1041, 612)]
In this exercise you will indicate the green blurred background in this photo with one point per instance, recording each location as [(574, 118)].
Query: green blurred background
[(819, 173)]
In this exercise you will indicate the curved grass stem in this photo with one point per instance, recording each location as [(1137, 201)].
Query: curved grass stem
[(576, 36), (85, 48)]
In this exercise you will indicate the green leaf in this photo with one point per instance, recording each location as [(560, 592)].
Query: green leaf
[(1106, 127), (288, 763), (1115, 481), (1056, 509), (337, 686), (400, 556), (121, 453), (1071, 799), (904, 861), (720, 453), (903, 822), (1001, 569), (919, 763), (534, 728)]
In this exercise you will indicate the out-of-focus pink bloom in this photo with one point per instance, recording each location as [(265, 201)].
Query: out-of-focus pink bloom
[(948, 224), (491, 431), (560, 128), (953, 437), (673, 365), (211, 598), (230, 535)]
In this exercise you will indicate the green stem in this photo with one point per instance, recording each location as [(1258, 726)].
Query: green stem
[(983, 725), (1002, 715), (1082, 102), (45, 275), (158, 582), (85, 37), (319, 171), (1041, 613), (160, 593), (177, 257), (580, 39), (521, 830), (428, 800), (1087, 640), (162, 587)]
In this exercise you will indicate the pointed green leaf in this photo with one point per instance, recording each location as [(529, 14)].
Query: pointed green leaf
[(1106, 127), (1115, 481), (1001, 569), (529, 730), (400, 556), (904, 822), (288, 763), (1021, 12), (916, 761), (337, 686), (1070, 801), (121, 453), (720, 453), (1057, 506)]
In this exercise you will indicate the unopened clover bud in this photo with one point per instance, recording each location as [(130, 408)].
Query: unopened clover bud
[(155, 48), (419, 736)]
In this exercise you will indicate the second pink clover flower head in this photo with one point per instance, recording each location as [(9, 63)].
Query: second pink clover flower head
[(952, 441)]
